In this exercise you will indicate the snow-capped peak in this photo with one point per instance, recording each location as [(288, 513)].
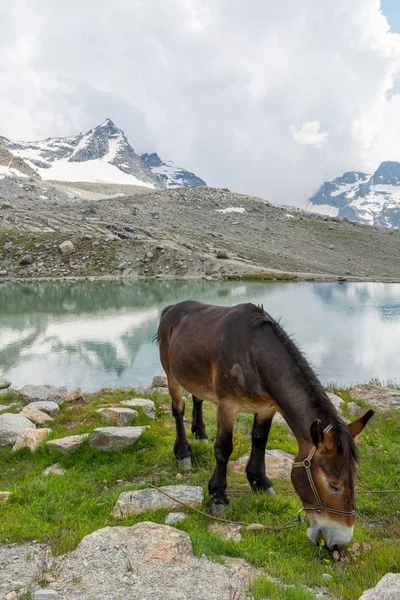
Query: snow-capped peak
[(172, 175)]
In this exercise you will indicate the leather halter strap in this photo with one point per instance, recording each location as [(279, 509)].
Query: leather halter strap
[(306, 463)]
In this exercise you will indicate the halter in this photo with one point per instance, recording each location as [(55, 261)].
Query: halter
[(306, 463)]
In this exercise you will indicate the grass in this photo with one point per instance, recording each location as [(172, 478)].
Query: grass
[(262, 276), (63, 509)]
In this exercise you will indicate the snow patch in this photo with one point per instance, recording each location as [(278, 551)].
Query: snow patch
[(232, 209)]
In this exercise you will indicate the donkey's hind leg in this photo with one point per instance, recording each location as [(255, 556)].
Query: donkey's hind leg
[(255, 469), (181, 446), (198, 426)]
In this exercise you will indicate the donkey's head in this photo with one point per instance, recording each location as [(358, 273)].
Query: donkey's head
[(325, 481)]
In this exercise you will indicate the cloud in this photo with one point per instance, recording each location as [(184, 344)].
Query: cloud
[(309, 134), (266, 98)]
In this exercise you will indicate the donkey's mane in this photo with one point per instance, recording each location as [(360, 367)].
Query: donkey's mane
[(318, 395)]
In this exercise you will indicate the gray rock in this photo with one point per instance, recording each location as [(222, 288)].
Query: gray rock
[(114, 438), (121, 417), (228, 531), (26, 259), (31, 438), (4, 383), (66, 248), (159, 381), (148, 406), (336, 400), (174, 517), (5, 496), (67, 444), (388, 588), (140, 501), (376, 396), (45, 594), (353, 408), (222, 254), (56, 469), (47, 393), (48, 407), (11, 427), (278, 464), (36, 416)]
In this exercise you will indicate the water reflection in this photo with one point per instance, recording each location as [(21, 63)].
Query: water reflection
[(99, 334)]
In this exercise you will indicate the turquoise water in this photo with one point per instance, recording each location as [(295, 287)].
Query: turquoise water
[(99, 334)]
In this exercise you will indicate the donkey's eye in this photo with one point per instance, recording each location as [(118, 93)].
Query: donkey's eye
[(334, 487)]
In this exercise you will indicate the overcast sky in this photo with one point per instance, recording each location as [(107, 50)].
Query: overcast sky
[(266, 97)]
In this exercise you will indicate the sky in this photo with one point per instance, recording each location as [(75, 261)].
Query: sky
[(265, 97)]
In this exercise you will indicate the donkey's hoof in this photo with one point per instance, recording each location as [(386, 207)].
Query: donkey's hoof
[(270, 491), (185, 463), (217, 510)]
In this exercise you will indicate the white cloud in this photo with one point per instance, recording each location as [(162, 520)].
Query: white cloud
[(309, 134), (216, 86)]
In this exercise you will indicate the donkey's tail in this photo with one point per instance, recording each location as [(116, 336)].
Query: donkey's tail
[(156, 337)]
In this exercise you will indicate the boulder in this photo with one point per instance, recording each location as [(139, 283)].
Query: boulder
[(45, 594), (140, 501), (174, 517), (154, 543), (118, 416), (278, 464), (228, 531), (39, 393), (376, 396), (66, 248), (388, 588), (114, 438), (4, 383), (31, 438), (67, 444), (222, 254), (159, 381), (56, 469), (241, 569), (336, 400), (26, 259), (353, 408), (148, 406), (5, 496), (73, 396), (50, 408), (11, 427), (36, 416)]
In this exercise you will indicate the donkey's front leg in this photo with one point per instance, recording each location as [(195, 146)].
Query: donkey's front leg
[(226, 415), (255, 469), (181, 447)]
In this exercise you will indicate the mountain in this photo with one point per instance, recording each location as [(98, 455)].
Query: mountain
[(372, 199), (171, 175), (102, 155)]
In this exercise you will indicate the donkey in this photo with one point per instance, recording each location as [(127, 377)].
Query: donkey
[(242, 360)]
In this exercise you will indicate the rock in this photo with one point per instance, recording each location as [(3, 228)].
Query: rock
[(73, 396), (45, 594), (388, 588), (278, 464), (353, 408), (174, 517), (56, 469), (154, 543), (228, 531), (148, 406), (31, 438), (222, 254), (67, 444), (26, 259), (119, 416), (36, 416), (376, 396), (39, 393), (5, 496), (159, 381), (4, 383), (336, 400), (149, 499), (12, 596), (50, 408), (327, 576), (255, 527), (11, 427), (241, 568), (114, 438), (66, 248), (280, 420)]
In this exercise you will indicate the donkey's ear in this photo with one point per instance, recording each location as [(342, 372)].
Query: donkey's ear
[(316, 431), (356, 427)]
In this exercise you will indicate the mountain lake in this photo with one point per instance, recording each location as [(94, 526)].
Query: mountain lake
[(99, 334)]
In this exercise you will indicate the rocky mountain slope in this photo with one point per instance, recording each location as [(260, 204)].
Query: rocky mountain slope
[(187, 232), (373, 199), (101, 155), (171, 175)]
